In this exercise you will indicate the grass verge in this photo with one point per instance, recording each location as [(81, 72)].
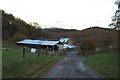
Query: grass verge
[(105, 63), (14, 66)]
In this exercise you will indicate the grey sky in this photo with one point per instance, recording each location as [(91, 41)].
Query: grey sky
[(75, 14)]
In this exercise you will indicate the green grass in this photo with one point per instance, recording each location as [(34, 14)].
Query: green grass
[(105, 63), (14, 66)]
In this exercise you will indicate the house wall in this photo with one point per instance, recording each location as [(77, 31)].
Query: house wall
[(70, 41), (60, 47)]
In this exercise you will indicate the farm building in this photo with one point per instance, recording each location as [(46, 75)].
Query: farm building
[(59, 45), (39, 44), (65, 43)]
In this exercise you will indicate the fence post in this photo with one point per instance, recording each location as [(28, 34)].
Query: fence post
[(39, 51), (23, 52)]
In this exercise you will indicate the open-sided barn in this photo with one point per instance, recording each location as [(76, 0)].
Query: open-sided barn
[(39, 44)]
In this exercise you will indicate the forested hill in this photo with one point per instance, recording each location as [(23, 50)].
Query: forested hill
[(55, 29), (15, 29), (100, 36)]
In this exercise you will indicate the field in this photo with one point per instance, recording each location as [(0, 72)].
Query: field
[(14, 66), (105, 63)]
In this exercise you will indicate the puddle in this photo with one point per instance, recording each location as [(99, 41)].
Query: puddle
[(81, 66)]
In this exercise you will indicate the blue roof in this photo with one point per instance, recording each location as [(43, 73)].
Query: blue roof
[(28, 41), (38, 42), (49, 42)]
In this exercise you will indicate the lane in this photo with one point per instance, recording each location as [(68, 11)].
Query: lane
[(72, 66)]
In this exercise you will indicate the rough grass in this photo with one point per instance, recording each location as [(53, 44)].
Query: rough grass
[(105, 63), (14, 66)]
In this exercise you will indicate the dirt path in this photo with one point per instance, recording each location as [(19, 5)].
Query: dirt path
[(71, 67)]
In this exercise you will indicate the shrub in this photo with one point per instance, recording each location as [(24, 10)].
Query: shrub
[(17, 37), (87, 46)]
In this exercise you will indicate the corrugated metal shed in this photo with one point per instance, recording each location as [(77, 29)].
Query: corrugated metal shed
[(52, 43), (64, 39), (28, 41)]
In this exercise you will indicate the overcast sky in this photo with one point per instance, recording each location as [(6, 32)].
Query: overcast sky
[(72, 14)]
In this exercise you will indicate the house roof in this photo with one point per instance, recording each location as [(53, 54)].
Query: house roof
[(68, 46), (64, 39), (38, 42)]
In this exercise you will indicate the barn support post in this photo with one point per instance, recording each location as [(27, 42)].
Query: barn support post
[(38, 53), (47, 50), (23, 52), (53, 50)]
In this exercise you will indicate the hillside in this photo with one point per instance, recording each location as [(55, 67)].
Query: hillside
[(15, 29), (55, 29), (102, 37)]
